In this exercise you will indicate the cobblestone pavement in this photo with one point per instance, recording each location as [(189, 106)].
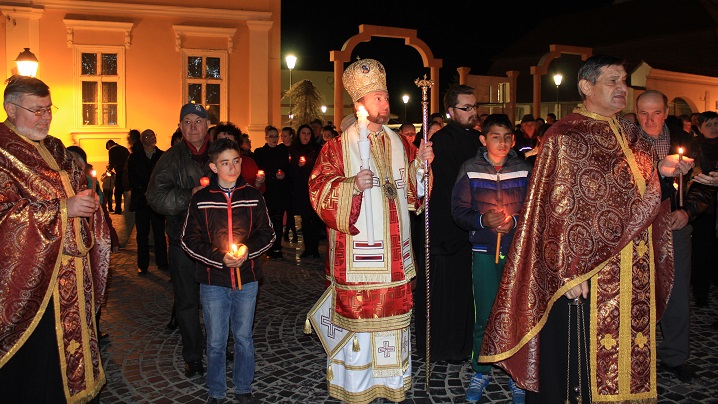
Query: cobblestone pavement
[(143, 361)]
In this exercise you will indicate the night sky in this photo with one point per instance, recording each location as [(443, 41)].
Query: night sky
[(467, 33)]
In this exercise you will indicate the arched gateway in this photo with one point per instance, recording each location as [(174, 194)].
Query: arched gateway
[(366, 32)]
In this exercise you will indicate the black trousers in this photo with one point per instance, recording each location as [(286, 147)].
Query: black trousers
[(146, 219), (311, 228), (276, 214), (674, 349), (186, 294), (119, 191), (705, 257), (33, 374), (553, 339)]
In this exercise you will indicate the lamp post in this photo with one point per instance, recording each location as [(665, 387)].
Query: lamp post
[(26, 63), (405, 98), (557, 79), (291, 62)]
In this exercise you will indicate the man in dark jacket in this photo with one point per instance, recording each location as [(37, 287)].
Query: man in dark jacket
[(175, 179), (117, 157), (452, 309), (139, 168)]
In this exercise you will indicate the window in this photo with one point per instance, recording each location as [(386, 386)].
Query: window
[(100, 86), (205, 81)]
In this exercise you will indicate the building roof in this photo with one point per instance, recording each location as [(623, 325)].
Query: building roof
[(674, 35)]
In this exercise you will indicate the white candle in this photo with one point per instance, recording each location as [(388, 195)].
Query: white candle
[(680, 180), (365, 153), (94, 180)]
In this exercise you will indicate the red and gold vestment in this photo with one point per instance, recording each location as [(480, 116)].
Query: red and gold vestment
[(46, 255), (593, 212)]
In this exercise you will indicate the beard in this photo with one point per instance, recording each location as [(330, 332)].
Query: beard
[(381, 118), (33, 133)]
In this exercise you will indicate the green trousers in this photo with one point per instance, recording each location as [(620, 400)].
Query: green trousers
[(485, 274)]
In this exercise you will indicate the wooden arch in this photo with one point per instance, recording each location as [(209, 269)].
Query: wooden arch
[(366, 32), (555, 52)]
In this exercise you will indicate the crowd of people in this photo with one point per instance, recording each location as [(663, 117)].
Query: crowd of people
[(581, 221)]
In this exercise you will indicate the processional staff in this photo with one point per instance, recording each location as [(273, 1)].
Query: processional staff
[(425, 85)]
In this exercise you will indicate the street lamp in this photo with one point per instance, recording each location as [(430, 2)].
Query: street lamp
[(557, 78), (26, 63), (291, 62), (406, 100)]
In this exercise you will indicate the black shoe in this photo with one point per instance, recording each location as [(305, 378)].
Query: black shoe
[(286, 236), (102, 335), (193, 368), (163, 268), (141, 271), (172, 325), (212, 400), (684, 372), (246, 398)]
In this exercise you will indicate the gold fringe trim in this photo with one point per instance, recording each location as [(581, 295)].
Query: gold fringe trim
[(330, 373), (355, 344), (307, 326)]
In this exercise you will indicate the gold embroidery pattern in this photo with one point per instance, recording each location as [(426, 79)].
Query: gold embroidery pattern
[(608, 342)]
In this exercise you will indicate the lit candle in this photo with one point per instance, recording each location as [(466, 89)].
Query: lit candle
[(680, 180), (302, 160), (365, 154), (260, 173), (235, 251), (204, 181), (94, 180)]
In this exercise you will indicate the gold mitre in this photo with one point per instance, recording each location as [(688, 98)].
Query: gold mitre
[(364, 76)]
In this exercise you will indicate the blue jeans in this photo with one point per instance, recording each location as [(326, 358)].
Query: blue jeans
[(222, 306)]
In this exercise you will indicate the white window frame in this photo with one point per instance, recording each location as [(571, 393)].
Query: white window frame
[(78, 78), (223, 56)]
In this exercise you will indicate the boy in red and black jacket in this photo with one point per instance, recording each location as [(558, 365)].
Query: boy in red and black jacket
[(226, 231)]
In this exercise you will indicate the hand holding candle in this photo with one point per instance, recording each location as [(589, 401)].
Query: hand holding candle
[(240, 254)]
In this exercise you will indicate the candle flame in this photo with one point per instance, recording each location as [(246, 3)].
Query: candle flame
[(234, 248), (362, 113), (94, 173)]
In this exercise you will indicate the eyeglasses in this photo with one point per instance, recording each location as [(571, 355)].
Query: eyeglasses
[(468, 108), (39, 111)]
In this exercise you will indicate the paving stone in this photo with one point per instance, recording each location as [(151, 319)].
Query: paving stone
[(143, 359)]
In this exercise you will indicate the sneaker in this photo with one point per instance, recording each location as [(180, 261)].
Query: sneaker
[(477, 384), (246, 398), (518, 395)]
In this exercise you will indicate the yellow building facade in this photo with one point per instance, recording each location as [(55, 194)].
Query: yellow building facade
[(116, 66)]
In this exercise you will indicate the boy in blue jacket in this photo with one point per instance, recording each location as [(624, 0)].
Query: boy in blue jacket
[(226, 231), (486, 200)]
